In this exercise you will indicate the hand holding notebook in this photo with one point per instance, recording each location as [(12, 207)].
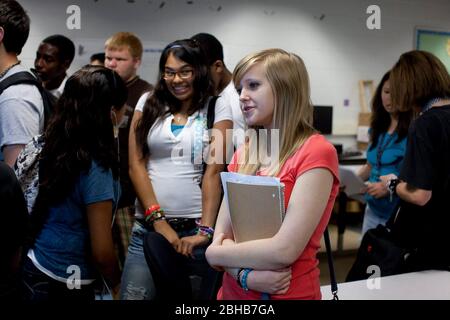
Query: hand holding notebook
[(256, 205)]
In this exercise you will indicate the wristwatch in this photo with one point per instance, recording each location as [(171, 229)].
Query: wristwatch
[(392, 185)]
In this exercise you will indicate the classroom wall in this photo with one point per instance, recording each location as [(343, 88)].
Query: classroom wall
[(331, 36)]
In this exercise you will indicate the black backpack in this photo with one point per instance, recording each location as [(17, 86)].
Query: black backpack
[(210, 115), (25, 77)]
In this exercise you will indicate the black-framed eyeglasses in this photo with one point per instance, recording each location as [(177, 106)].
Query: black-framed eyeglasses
[(183, 74)]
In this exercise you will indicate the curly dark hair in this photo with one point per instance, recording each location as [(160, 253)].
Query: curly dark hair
[(80, 131), (381, 120), (162, 102)]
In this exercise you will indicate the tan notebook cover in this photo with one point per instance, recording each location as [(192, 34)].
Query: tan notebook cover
[(256, 211)]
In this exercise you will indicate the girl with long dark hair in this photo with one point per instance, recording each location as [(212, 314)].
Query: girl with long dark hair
[(78, 169), (169, 137), (388, 131)]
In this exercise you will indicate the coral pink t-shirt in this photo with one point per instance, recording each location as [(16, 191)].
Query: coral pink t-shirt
[(316, 152)]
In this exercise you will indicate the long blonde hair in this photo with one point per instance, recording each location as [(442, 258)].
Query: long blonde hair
[(289, 80)]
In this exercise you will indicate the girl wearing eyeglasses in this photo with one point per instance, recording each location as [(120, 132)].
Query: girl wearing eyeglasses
[(169, 141)]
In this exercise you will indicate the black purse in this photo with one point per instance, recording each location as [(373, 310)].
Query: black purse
[(378, 250), (390, 249)]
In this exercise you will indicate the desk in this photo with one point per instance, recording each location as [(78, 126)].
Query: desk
[(422, 285), (361, 159)]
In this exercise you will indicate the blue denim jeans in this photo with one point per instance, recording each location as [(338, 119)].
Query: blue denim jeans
[(40, 287), (371, 220), (137, 281)]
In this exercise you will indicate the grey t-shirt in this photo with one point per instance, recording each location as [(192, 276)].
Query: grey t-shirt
[(21, 112)]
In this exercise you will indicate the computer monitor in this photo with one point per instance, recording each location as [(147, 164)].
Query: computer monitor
[(323, 119)]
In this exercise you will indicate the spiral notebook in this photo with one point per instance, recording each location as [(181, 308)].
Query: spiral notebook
[(256, 205)]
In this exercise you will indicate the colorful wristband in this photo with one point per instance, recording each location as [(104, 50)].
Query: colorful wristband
[(151, 209), (154, 213), (244, 278), (205, 231)]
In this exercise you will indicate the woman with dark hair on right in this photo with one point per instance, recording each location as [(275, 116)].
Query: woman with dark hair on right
[(388, 130), (420, 83), (71, 240)]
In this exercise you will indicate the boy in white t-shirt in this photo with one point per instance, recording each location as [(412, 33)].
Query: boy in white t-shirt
[(221, 76)]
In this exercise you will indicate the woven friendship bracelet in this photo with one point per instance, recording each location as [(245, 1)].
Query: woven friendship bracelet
[(205, 231), (151, 209), (154, 213)]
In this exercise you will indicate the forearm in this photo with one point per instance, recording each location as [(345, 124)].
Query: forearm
[(109, 268), (211, 197), (10, 153), (138, 168), (99, 216), (223, 223), (263, 254), (364, 172), (413, 195), (211, 185), (143, 186)]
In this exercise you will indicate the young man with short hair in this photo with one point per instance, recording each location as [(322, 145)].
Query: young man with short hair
[(21, 105), (53, 59), (223, 85), (123, 54)]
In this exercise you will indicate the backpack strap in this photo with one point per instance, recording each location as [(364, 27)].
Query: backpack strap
[(211, 112), (24, 77), (210, 116)]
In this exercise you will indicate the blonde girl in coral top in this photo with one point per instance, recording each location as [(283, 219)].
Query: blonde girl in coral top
[(274, 94)]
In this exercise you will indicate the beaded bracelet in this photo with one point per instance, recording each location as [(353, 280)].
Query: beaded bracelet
[(244, 278), (205, 231), (154, 213), (151, 209)]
